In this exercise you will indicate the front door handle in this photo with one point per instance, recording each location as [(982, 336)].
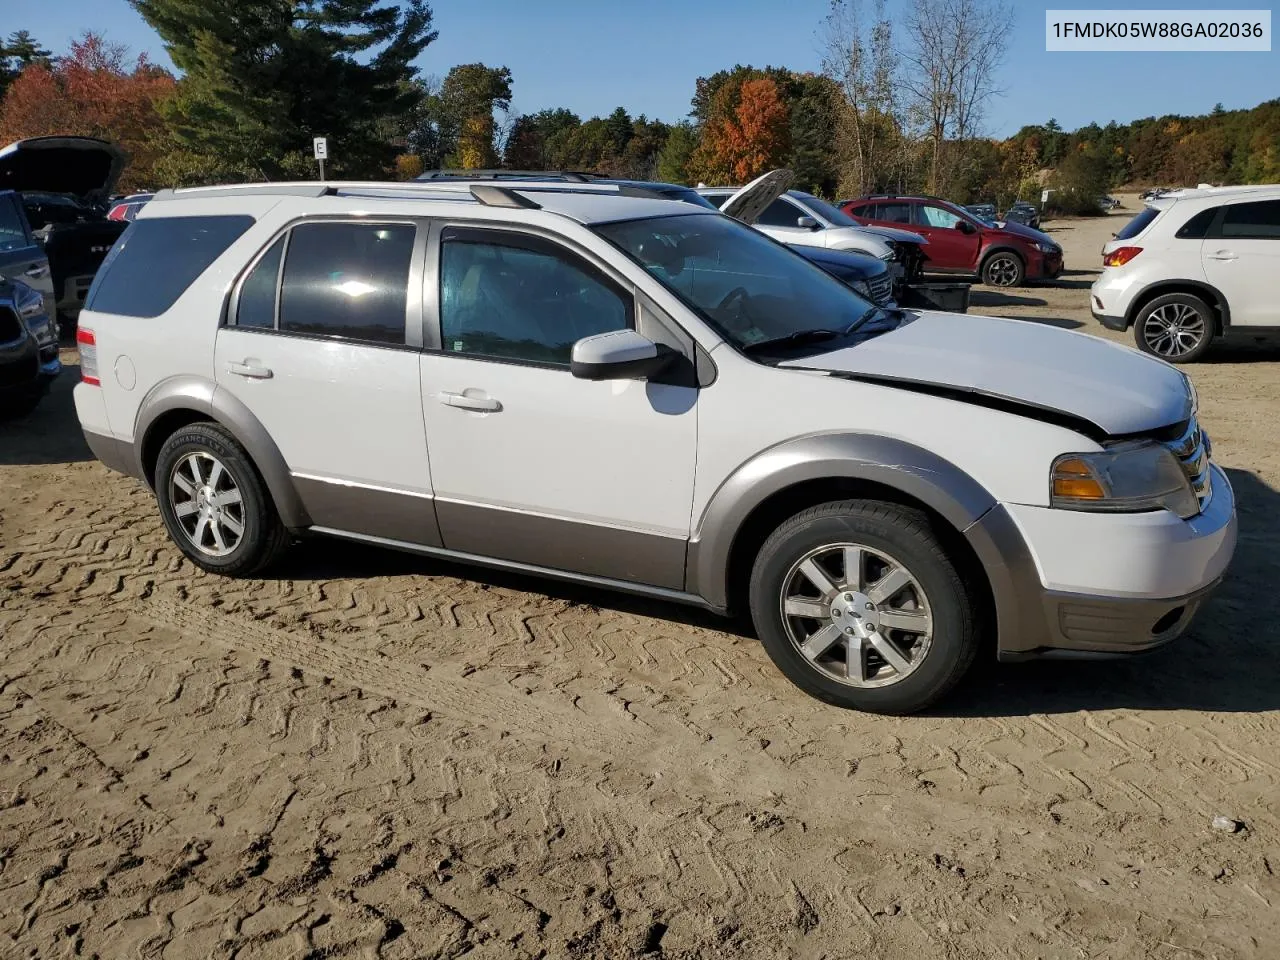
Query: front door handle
[(249, 368), (1222, 255), (38, 271), (464, 402)]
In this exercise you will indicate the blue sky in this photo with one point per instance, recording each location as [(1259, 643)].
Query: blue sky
[(594, 56)]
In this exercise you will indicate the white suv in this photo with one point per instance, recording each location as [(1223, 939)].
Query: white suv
[(650, 396), (1192, 266)]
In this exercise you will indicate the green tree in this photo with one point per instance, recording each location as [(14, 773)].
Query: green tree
[(673, 161), (469, 96), (262, 77), (17, 53)]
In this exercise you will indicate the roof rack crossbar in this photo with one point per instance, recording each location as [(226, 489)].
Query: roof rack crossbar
[(493, 196)]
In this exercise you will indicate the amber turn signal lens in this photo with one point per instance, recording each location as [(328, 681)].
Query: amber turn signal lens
[(1074, 479)]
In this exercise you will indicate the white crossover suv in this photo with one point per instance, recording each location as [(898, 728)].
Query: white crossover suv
[(1192, 266), (650, 396)]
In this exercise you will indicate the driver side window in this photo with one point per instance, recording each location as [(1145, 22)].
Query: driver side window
[(517, 297), (931, 216)]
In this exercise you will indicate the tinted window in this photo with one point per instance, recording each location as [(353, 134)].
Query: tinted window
[(1198, 226), (347, 280), (894, 212), (935, 216), (718, 199), (780, 214), (257, 306), (518, 298), (156, 259), (13, 236), (833, 215), (1252, 221), (1138, 223)]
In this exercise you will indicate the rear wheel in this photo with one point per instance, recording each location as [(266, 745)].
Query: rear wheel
[(1177, 327), (1003, 269), (214, 505), (857, 603)]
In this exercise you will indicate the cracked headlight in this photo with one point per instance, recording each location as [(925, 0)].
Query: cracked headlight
[(1124, 479)]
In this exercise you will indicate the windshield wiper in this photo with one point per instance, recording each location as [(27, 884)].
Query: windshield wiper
[(867, 315), (796, 339)]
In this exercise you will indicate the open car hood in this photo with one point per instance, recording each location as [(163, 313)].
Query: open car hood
[(752, 200), (85, 167), (1103, 387)]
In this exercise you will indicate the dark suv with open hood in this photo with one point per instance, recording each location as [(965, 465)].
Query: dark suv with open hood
[(64, 184)]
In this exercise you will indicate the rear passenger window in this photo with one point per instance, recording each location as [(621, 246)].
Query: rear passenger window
[(348, 280), (517, 298), (894, 212), (156, 259), (1252, 221), (1197, 226), (257, 307)]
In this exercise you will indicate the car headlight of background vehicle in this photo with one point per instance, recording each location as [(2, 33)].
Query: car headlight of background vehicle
[(1046, 247), (861, 287), (1124, 479)]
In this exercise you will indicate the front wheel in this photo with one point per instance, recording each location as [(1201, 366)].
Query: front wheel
[(1003, 269), (857, 603)]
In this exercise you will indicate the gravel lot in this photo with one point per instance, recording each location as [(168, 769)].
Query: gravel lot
[(369, 754)]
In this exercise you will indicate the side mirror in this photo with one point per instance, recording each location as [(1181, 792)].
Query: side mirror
[(619, 355), (964, 226), (806, 223)]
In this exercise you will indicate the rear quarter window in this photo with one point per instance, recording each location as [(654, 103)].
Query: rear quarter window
[(1138, 223), (156, 259), (1198, 226)]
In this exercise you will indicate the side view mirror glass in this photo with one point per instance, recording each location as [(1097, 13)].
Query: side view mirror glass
[(806, 223), (619, 355)]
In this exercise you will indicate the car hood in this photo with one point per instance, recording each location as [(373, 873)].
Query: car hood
[(1026, 233), (82, 166), (1099, 387), (893, 233)]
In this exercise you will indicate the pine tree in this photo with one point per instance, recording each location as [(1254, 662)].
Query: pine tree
[(17, 53), (262, 77)]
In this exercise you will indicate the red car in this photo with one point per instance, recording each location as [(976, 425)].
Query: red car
[(1004, 254)]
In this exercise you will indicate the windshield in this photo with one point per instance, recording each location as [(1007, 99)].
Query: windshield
[(833, 215), (748, 287)]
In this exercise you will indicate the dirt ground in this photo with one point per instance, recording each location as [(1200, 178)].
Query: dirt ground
[(369, 754)]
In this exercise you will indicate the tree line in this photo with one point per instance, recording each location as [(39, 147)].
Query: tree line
[(897, 105)]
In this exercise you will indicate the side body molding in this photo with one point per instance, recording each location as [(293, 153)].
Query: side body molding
[(205, 397), (914, 471)]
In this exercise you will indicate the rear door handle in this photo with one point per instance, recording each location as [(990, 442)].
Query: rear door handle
[(250, 369), (464, 402), (38, 271), (1223, 255)]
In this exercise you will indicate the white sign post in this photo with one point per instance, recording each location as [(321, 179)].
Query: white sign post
[(321, 147)]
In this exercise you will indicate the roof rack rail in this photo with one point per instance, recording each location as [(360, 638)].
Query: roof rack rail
[(572, 176)]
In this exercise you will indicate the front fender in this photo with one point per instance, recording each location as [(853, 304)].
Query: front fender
[(902, 466), (207, 398)]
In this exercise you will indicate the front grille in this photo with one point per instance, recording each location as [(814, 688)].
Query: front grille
[(1192, 450), (881, 288), (11, 328)]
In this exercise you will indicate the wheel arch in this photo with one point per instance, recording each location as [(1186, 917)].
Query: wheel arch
[(995, 248), (1196, 288), (801, 473), (180, 401)]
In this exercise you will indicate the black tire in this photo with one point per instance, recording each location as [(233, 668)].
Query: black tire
[(1004, 268), (902, 533), (1194, 337), (264, 537)]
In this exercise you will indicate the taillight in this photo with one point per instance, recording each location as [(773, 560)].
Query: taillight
[(116, 212), (88, 347), (1120, 256)]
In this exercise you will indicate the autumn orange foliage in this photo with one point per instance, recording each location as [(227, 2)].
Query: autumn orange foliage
[(92, 92), (747, 134)]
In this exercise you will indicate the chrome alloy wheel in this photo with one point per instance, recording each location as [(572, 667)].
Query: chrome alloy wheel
[(1002, 271), (207, 504), (857, 614), (1173, 330)]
